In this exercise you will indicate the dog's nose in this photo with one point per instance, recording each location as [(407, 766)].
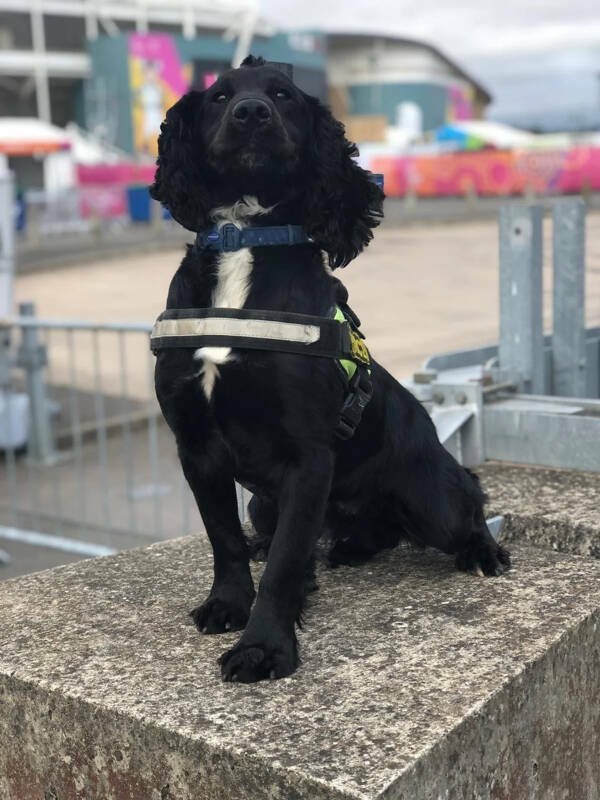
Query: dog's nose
[(251, 111)]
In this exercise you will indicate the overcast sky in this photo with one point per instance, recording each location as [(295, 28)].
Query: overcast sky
[(530, 53)]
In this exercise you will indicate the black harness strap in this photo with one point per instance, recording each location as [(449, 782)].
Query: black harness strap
[(360, 391), (277, 331)]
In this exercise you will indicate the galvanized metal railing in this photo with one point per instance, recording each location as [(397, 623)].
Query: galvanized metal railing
[(532, 398), (89, 466)]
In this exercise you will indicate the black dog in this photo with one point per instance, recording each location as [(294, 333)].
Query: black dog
[(254, 149)]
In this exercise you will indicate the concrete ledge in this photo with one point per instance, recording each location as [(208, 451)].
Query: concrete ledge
[(417, 682), (554, 508)]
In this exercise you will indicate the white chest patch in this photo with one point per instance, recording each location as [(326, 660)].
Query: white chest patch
[(234, 278)]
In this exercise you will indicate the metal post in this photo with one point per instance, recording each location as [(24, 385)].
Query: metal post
[(32, 356), (7, 241), (568, 341), (141, 22), (91, 21), (7, 270), (245, 35), (521, 347), (38, 38), (189, 20)]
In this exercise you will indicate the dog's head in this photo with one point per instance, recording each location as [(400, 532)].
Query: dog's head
[(254, 132)]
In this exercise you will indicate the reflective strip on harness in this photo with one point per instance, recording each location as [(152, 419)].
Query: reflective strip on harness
[(256, 329), (248, 328)]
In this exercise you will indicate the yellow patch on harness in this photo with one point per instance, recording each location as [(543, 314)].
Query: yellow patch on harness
[(359, 348)]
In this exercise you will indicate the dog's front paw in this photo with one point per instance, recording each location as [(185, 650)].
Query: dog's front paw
[(221, 615), (248, 663)]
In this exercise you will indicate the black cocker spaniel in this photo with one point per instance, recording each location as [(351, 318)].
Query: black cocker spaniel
[(254, 150)]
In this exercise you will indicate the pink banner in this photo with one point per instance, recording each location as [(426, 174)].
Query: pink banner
[(491, 172), (104, 202), (158, 50), (129, 174), (157, 79), (103, 187)]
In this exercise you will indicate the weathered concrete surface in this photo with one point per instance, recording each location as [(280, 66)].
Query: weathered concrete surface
[(417, 682), (554, 508)]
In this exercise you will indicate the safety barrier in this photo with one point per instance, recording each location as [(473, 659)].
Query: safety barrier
[(89, 465), (533, 398)]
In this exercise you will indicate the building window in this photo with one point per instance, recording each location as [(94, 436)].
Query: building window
[(15, 31), (64, 34)]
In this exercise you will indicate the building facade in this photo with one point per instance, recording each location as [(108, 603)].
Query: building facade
[(44, 58), (136, 77), (395, 78), (115, 67)]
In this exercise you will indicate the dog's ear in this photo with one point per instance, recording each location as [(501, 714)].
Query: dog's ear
[(343, 203), (178, 182)]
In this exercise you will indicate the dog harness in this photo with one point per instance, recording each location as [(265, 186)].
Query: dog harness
[(337, 337)]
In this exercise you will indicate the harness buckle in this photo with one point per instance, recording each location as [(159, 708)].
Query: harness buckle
[(360, 392), (231, 237)]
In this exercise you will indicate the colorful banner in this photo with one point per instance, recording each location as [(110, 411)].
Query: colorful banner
[(157, 80), (128, 174), (103, 188), (491, 172), (102, 202)]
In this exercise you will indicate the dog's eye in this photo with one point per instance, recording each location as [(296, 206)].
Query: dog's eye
[(282, 94), (221, 97)]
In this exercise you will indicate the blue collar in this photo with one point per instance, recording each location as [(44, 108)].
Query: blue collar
[(229, 237)]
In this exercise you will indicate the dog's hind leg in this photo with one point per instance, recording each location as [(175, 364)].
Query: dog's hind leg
[(357, 538), (481, 554), (263, 515), (268, 647), (442, 507)]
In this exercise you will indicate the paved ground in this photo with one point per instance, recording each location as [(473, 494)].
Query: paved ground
[(419, 290)]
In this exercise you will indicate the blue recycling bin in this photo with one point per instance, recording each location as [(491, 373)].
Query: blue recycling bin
[(138, 202)]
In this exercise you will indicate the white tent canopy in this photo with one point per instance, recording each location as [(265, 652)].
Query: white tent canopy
[(61, 149), (28, 135)]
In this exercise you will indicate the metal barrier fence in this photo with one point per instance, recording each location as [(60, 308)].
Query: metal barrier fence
[(55, 213), (87, 459)]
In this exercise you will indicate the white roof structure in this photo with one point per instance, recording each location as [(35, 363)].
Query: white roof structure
[(88, 149), (100, 16), (29, 136)]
